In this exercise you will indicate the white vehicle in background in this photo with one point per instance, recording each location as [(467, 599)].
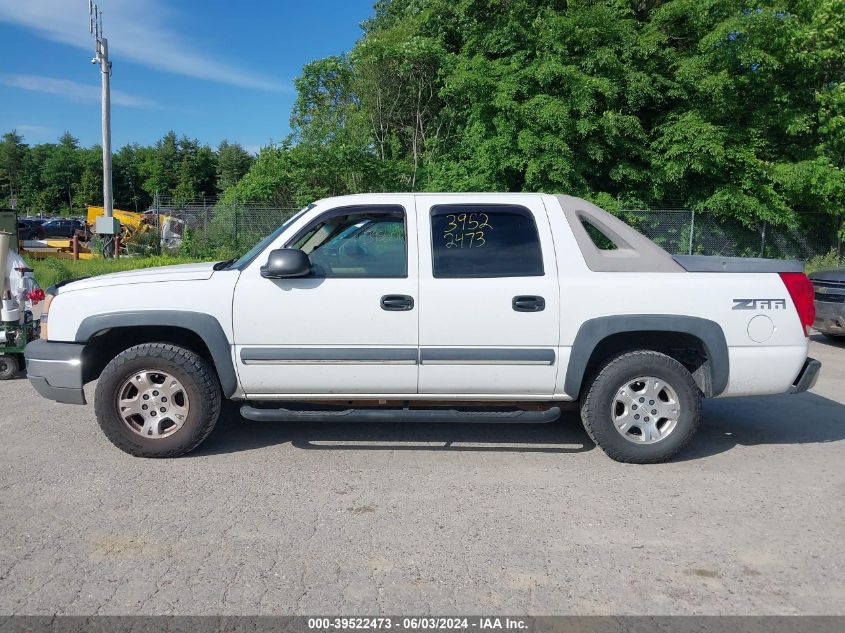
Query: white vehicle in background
[(431, 307)]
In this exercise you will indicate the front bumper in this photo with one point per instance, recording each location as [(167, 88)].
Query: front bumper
[(55, 370), (807, 377), (830, 317)]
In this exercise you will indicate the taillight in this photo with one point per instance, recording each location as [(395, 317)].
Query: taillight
[(801, 290)]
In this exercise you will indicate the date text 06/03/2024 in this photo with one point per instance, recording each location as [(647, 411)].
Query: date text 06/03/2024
[(416, 623)]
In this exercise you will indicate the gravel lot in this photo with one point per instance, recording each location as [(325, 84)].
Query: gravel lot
[(413, 519)]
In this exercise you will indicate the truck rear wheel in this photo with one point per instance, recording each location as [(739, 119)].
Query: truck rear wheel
[(642, 407), (157, 400)]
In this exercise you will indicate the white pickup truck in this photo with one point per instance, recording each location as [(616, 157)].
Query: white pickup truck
[(431, 307)]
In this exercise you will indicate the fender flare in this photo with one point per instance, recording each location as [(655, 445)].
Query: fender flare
[(203, 325), (593, 331)]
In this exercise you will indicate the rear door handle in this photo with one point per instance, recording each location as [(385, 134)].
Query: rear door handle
[(397, 303), (528, 303)]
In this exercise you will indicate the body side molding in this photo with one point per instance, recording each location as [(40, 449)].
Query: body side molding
[(593, 331), (332, 355), (399, 355), (203, 325), (486, 356)]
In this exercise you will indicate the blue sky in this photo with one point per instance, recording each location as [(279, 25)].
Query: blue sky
[(211, 69)]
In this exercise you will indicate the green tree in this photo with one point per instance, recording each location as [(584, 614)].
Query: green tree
[(61, 173), (160, 166), (127, 179), (12, 155), (233, 161), (721, 105), (89, 191)]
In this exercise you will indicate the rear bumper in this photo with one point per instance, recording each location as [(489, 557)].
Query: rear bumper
[(807, 377), (55, 370), (830, 317)]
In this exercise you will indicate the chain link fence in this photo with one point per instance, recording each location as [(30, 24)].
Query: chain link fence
[(212, 228), (685, 231), (209, 228)]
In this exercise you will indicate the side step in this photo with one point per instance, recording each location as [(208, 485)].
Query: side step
[(401, 415)]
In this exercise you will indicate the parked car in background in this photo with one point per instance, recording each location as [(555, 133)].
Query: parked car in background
[(31, 229), (64, 227), (829, 288)]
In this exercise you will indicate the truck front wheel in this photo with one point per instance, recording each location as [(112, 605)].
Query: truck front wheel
[(157, 400), (641, 407)]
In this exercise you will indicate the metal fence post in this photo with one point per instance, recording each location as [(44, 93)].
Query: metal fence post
[(159, 233), (235, 229), (691, 230), (763, 240)]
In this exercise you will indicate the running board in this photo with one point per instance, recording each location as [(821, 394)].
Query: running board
[(401, 415)]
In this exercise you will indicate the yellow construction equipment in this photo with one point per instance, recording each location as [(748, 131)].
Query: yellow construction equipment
[(132, 224), (57, 248)]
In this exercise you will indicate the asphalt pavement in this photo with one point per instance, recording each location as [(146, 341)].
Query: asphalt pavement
[(277, 518)]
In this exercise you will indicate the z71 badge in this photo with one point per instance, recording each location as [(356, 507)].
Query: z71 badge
[(759, 304)]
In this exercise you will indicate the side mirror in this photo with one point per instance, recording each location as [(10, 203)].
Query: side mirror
[(286, 262)]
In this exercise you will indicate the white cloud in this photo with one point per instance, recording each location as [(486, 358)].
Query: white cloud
[(254, 148), (34, 133), (138, 30), (26, 128), (72, 90)]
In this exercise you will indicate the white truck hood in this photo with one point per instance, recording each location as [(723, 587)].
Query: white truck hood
[(179, 272)]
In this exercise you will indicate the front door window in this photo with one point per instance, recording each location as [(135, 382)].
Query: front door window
[(360, 244)]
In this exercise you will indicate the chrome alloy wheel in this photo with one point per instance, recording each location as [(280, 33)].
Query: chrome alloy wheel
[(645, 410), (152, 403)]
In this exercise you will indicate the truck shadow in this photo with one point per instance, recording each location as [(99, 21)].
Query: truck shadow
[(789, 419), (821, 339), (805, 418)]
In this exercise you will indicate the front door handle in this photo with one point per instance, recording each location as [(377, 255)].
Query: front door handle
[(397, 303), (528, 303)]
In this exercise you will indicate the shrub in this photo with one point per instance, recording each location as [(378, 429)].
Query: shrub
[(823, 262)]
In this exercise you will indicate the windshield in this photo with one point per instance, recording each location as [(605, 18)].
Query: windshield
[(252, 253)]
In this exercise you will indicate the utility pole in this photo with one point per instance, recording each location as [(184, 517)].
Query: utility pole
[(105, 225)]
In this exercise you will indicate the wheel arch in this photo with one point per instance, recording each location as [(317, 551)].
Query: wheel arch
[(697, 343), (108, 334)]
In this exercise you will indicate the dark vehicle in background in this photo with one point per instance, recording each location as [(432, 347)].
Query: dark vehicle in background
[(65, 227), (31, 229), (829, 287)]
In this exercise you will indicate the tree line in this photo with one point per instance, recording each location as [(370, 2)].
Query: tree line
[(735, 107), (64, 177)]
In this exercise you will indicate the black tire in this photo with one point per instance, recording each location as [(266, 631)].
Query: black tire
[(596, 406), (196, 377), (8, 366)]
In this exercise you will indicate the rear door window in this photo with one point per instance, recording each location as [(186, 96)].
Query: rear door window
[(484, 241)]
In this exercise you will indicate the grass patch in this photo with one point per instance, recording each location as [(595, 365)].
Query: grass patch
[(824, 262), (51, 271)]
